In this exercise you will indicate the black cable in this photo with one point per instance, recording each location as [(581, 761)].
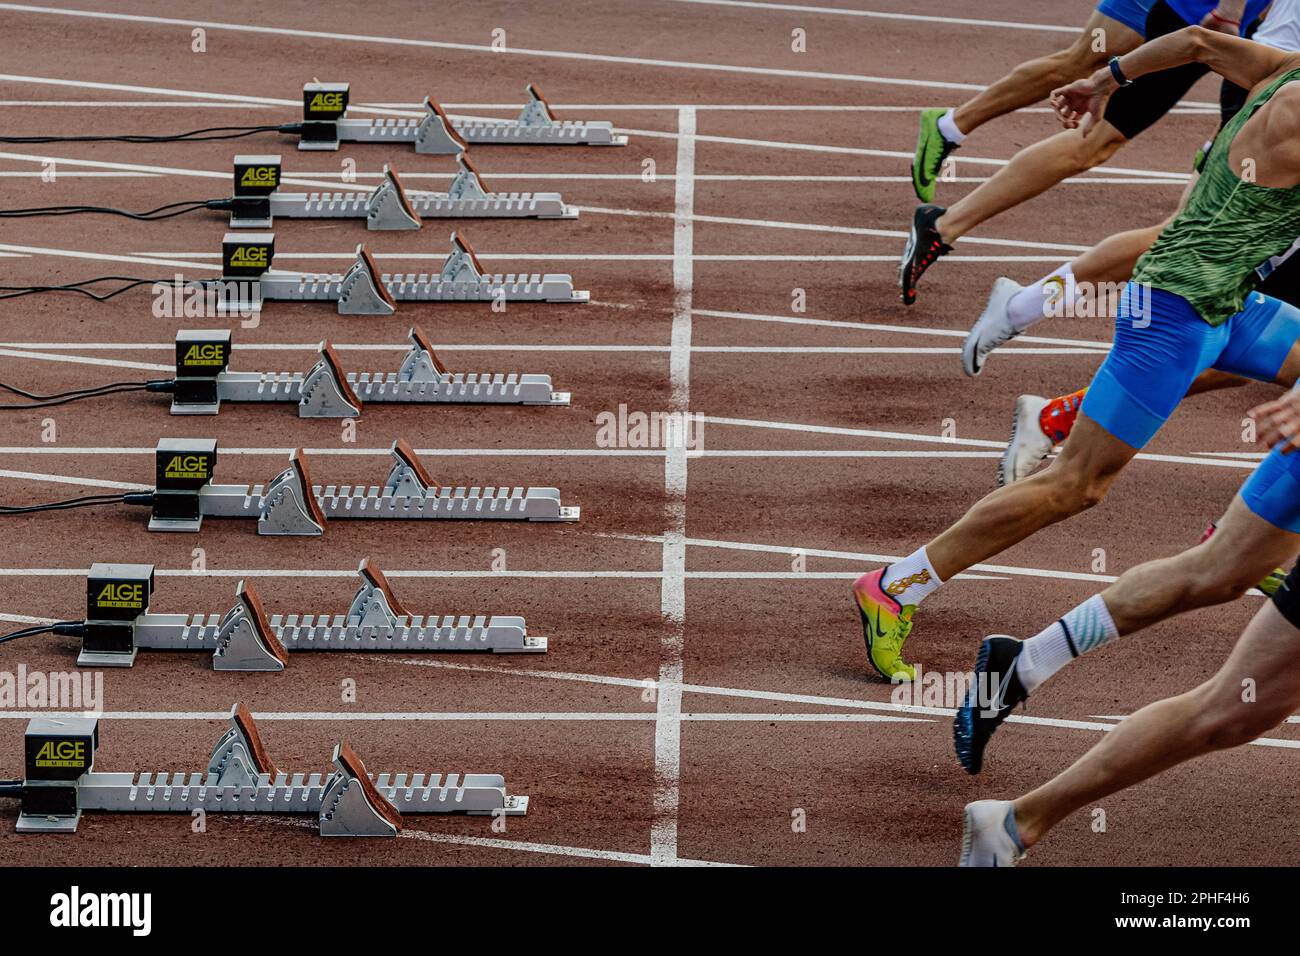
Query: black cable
[(193, 136), (153, 215), (58, 627), (76, 394), (17, 291), (86, 501)]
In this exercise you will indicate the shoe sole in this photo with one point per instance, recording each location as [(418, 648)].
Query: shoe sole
[(1006, 463), (905, 284), (963, 723), (966, 838), (866, 637)]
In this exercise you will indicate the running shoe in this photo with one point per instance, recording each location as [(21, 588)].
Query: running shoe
[(992, 329), (989, 837), (992, 696), (924, 245), (1029, 445), (931, 150), (885, 626)]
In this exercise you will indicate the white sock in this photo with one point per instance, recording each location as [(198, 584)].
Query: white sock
[(1053, 294), (1087, 626), (948, 127), (911, 580)]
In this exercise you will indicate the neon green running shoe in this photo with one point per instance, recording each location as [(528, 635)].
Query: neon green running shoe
[(1274, 581), (931, 150), (885, 626)]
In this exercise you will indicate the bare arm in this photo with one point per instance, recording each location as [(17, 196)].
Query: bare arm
[(1243, 62)]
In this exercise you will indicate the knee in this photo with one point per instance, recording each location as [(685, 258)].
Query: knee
[(1072, 490), (1094, 148), (1224, 720), (1218, 579)]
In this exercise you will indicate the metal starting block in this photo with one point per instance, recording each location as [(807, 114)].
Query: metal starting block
[(326, 125), (259, 200), (61, 783), (291, 505), (119, 624), (325, 391), (364, 290)]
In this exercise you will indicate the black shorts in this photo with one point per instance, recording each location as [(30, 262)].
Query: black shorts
[(1287, 598), (1137, 106), (1283, 282)]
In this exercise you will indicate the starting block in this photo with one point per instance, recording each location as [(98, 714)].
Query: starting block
[(326, 125), (203, 381), (61, 783), (259, 200), (248, 280), (119, 624), (184, 495)]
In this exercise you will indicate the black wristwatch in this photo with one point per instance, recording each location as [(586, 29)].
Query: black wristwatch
[(1117, 73)]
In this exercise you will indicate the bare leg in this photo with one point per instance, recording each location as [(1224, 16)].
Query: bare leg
[(1075, 481), (1212, 717), (1032, 81), (1033, 170), (1243, 549)]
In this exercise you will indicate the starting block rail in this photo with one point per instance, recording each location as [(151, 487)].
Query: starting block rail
[(326, 125), (259, 200), (364, 290), (61, 783), (292, 505), (119, 624), (203, 381)]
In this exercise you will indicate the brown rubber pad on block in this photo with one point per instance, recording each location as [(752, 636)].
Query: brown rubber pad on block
[(353, 765)]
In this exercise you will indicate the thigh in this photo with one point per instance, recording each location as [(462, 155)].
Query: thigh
[(1092, 451), (1160, 346), (1260, 338)]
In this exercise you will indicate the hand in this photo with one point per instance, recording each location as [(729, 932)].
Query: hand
[(1278, 422), (1225, 18), (1081, 101)]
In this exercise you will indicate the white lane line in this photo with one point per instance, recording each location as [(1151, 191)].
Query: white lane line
[(875, 14), (73, 480), (1170, 175), (84, 360), (672, 588), (977, 442), (715, 349), (496, 843), (488, 48), (596, 716), (107, 257), (877, 327), (822, 227)]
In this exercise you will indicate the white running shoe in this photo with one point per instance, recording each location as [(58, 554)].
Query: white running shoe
[(989, 837), (993, 328), (1028, 446)]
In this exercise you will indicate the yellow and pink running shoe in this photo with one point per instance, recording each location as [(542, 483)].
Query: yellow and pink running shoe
[(885, 626)]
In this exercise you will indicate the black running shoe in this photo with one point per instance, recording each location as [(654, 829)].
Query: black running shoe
[(924, 245), (978, 716)]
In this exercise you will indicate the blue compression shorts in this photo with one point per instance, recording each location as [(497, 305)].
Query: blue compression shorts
[(1162, 344), (1131, 13), (1273, 491)]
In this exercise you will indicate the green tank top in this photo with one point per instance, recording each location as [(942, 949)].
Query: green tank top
[(1209, 253)]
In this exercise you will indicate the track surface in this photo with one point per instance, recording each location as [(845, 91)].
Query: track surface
[(706, 682)]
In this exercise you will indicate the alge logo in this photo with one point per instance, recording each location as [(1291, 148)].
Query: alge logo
[(120, 595), (260, 176), (76, 909), (205, 355), (61, 753), (326, 103), (250, 256), (187, 466)]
